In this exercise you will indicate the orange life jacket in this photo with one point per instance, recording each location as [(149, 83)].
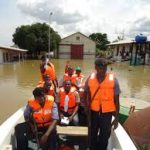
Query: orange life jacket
[(72, 78), (51, 90), (104, 99), (71, 101), (42, 116), (49, 70)]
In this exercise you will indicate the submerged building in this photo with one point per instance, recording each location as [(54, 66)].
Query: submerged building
[(137, 53), (10, 54), (77, 46)]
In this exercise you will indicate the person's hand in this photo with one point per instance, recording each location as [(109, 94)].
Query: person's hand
[(70, 118), (115, 123), (43, 139)]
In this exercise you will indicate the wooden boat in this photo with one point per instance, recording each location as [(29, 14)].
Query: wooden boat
[(119, 139), (138, 127)]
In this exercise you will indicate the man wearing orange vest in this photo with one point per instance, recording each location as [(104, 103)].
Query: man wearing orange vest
[(68, 101), (48, 85), (70, 76), (102, 95), (47, 68), (41, 115), (79, 78)]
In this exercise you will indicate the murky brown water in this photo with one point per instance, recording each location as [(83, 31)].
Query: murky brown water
[(17, 81)]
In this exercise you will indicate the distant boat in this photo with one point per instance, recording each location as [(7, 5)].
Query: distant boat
[(127, 105), (119, 139)]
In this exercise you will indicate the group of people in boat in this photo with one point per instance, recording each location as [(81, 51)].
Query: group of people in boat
[(65, 101)]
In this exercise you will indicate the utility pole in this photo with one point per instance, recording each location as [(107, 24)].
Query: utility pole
[(50, 14)]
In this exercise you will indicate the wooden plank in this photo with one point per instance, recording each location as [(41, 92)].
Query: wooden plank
[(72, 130)]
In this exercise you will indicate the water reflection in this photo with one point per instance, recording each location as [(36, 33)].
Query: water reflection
[(17, 81)]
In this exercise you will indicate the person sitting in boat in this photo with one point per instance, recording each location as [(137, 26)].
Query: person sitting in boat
[(79, 77), (41, 116), (47, 68), (68, 102), (48, 86), (69, 76)]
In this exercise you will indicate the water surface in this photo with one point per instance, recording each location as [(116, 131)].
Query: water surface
[(17, 80)]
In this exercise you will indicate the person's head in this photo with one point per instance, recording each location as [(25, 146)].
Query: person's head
[(47, 86), (101, 66), (46, 78), (39, 95), (67, 85), (44, 59), (70, 71), (78, 70)]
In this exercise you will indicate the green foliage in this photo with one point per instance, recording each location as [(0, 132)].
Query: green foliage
[(101, 40), (144, 147), (35, 38)]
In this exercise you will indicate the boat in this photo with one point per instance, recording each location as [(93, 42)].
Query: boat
[(141, 132), (119, 139), (129, 105)]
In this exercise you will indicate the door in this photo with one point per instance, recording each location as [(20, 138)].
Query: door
[(76, 51)]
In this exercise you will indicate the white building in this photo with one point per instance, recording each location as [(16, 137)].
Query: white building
[(9, 54), (137, 53), (77, 46)]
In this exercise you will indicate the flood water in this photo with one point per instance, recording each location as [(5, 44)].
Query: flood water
[(17, 80)]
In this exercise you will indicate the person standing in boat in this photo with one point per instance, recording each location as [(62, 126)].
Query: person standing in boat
[(68, 102), (41, 115), (47, 68), (102, 94)]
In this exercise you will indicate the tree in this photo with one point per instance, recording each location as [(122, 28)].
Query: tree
[(35, 38), (101, 40)]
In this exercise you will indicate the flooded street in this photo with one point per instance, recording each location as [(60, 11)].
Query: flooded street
[(17, 80)]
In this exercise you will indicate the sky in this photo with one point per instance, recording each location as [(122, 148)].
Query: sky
[(115, 17)]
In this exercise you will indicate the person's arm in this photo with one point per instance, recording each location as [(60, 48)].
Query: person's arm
[(27, 113), (117, 91), (77, 106), (58, 105), (87, 95)]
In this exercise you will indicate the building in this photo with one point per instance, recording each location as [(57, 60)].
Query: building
[(77, 46), (9, 54), (137, 53)]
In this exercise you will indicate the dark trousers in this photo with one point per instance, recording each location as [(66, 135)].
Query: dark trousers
[(24, 134), (100, 130)]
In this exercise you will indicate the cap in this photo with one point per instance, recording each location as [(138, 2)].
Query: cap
[(101, 62), (78, 68)]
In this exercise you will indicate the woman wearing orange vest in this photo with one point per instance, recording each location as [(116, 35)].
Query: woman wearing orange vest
[(41, 115), (68, 101), (102, 94)]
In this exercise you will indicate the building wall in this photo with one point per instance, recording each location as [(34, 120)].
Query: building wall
[(64, 51), (89, 46), (10, 55), (1, 56)]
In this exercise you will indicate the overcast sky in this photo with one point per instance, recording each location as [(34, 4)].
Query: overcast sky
[(113, 17)]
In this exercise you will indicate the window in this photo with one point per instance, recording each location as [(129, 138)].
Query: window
[(78, 38)]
